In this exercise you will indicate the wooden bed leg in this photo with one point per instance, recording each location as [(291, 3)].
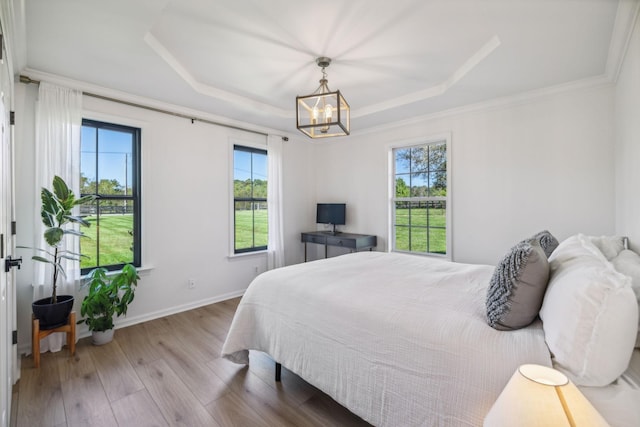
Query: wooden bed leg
[(278, 371)]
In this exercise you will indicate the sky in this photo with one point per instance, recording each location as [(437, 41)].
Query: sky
[(242, 166), (115, 156)]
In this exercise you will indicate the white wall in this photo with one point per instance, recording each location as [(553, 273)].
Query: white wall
[(627, 151), (516, 169), (186, 193)]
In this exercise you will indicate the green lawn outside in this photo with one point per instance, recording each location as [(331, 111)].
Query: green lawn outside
[(427, 230), (245, 220), (115, 240)]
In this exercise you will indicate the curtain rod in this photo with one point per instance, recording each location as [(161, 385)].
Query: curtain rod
[(28, 80)]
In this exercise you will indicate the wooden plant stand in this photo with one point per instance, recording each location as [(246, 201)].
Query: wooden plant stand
[(37, 335)]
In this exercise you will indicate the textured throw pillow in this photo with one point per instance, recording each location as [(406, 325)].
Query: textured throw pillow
[(547, 242), (610, 246), (628, 263), (517, 287), (589, 314)]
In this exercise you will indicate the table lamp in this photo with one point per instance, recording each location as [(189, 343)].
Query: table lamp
[(541, 396)]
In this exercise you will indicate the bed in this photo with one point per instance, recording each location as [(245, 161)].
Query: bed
[(398, 339)]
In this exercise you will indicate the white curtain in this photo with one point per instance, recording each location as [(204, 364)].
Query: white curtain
[(275, 252), (57, 147)]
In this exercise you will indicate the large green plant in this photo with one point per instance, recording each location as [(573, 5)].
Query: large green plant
[(57, 206), (108, 296)]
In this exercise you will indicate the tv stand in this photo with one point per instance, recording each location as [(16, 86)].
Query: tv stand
[(345, 240)]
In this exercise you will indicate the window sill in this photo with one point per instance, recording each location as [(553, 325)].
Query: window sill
[(247, 254), (143, 271)]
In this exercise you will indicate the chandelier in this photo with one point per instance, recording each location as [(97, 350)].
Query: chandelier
[(323, 113)]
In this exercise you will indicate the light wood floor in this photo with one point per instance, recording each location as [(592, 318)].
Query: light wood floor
[(168, 372)]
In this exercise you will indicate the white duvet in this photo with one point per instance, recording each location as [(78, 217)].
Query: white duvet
[(400, 340)]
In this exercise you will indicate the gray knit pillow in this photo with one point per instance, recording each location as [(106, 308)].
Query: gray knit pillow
[(517, 287), (547, 242)]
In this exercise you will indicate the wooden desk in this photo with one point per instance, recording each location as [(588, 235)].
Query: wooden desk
[(352, 241)]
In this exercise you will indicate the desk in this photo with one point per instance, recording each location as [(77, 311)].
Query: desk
[(345, 240)]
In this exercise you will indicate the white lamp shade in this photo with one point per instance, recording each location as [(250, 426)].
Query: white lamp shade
[(540, 396)]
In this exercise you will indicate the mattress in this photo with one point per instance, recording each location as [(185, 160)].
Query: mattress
[(397, 339)]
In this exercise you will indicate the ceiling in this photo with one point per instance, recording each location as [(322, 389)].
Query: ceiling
[(393, 60)]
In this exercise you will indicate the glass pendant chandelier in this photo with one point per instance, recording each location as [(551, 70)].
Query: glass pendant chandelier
[(324, 113)]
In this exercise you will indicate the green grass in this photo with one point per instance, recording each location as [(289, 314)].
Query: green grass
[(115, 240), (245, 220), (421, 230)]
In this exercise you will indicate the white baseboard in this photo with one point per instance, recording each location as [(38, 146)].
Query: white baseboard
[(82, 330)]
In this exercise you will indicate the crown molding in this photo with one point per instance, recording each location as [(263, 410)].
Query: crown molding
[(496, 103), (626, 18)]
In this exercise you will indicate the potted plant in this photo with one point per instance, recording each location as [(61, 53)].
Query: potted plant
[(56, 214), (108, 295)]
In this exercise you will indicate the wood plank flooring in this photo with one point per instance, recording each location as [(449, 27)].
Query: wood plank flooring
[(168, 372)]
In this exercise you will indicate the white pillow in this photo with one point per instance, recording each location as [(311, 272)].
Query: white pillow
[(589, 314), (628, 262), (610, 246)]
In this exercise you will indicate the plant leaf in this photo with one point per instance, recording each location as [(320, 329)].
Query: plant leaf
[(53, 235)]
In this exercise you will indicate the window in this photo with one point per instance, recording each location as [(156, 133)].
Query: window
[(419, 203), (110, 170), (249, 199)]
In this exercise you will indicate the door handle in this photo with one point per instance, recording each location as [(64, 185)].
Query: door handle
[(12, 262)]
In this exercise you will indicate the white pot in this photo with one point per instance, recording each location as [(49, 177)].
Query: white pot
[(102, 337)]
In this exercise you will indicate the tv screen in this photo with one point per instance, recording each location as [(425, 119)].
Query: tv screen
[(331, 213)]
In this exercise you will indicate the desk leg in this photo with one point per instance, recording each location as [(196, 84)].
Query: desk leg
[(325, 250), (305, 251)]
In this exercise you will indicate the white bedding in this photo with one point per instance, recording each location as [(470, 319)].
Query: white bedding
[(397, 339)]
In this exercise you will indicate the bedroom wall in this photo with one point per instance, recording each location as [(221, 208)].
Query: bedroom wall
[(627, 149), (186, 208), (517, 168)]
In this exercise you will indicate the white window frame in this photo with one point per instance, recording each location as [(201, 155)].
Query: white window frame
[(434, 139)]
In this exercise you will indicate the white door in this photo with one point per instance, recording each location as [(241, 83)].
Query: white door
[(9, 369), (5, 311)]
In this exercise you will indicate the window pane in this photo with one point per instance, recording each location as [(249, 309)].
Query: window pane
[(438, 183), (419, 159), (418, 239), (419, 185), (438, 214), (111, 230), (261, 223), (438, 157), (438, 240), (403, 159), (402, 238), (419, 214), (402, 213), (402, 186), (244, 225), (114, 162), (88, 160)]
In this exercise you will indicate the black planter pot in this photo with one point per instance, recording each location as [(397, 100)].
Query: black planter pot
[(52, 315)]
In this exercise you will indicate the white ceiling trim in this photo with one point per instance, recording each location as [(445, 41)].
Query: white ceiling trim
[(496, 103), (626, 16), (208, 90), (437, 90)]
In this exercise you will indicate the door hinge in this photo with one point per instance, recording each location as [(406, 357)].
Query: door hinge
[(13, 228), (1, 246), (12, 117), (14, 335)]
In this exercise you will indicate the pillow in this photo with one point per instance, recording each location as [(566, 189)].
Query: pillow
[(628, 262), (517, 287), (589, 314), (547, 242), (610, 246)]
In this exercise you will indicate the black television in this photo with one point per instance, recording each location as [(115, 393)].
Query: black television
[(331, 213)]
